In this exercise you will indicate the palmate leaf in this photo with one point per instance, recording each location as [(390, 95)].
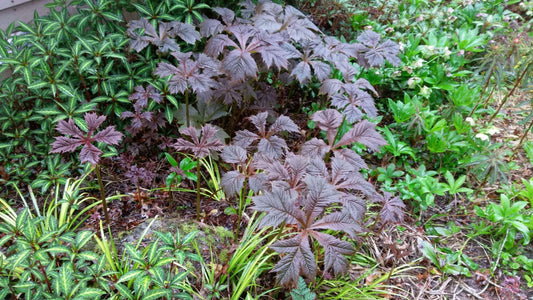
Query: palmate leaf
[(269, 144), (216, 45), (274, 169), (320, 194), (89, 152), (283, 123), (258, 182), (244, 138), (194, 71), (201, 145), (69, 128), (234, 154), (93, 121), (185, 31), (355, 207), (375, 55), (365, 133), (232, 182), (328, 120), (276, 52), (65, 144), (240, 64), (302, 72), (163, 38), (392, 210), (296, 165), (352, 100), (313, 53), (298, 26), (259, 122), (141, 95), (338, 221), (273, 146), (334, 251), (291, 171), (315, 147), (280, 204), (317, 167), (351, 157), (298, 259), (229, 92), (109, 136), (331, 86), (210, 27), (226, 14)]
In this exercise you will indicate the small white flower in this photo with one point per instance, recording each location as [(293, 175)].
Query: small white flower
[(419, 63), (397, 73), (447, 53), (413, 81), (369, 27), (482, 136), (451, 19), (402, 46), (408, 69), (470, 121), (449, 10), (493, 130), (428, 50), (425, 92)]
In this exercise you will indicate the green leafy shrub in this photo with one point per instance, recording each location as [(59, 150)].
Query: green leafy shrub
[(41, 259)]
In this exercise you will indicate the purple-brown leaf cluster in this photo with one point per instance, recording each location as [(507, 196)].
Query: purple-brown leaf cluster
[(201, 144), (75, 137)]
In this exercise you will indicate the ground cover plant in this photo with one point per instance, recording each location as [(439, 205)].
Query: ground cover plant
[(364, 157)]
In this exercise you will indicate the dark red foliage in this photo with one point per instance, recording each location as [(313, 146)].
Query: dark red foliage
[(89, 152)]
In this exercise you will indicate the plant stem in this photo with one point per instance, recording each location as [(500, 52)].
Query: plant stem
[(522, 139), (187, 108), (198, 188), (489, 97), (102, 193), (337, 135), (500, 252), (482, 184), (45, 277), (239, 212), (517, 82), (391, 270), (170, 195)]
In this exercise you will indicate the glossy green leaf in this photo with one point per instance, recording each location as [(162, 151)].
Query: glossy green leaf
[(130, 275)]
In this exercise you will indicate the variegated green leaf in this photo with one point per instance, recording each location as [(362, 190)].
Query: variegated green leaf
[(90, 293), (124, 291), (157, 294), (164, 261), (130, 275), (83, 238)]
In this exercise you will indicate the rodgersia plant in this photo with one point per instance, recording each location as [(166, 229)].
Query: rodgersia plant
[(270, 43), (75, 137), (310, 192), (201, 145)]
